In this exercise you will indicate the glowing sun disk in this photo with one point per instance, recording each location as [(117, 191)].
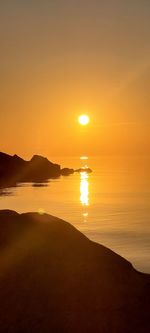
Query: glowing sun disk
[(83, 119)]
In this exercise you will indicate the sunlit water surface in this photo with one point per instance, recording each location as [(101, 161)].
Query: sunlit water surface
[(111, 205)]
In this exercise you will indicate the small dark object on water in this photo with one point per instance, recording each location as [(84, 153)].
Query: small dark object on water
[(87, 170)]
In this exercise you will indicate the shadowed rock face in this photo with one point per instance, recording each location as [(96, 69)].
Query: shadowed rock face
[(53, 279)]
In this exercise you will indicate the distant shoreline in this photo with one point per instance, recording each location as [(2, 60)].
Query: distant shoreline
[(14, 169)]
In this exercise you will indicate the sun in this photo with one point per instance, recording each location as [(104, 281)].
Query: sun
[(83, 119)]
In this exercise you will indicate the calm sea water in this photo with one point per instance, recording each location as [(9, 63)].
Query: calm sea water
[(111, 205)]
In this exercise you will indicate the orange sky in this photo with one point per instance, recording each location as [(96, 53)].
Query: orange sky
[(65, 57)]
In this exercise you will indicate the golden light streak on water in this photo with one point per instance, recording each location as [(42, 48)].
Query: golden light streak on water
[(83, 158), (84, 188)]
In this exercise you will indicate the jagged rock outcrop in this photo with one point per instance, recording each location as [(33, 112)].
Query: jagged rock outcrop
[(14, 169)]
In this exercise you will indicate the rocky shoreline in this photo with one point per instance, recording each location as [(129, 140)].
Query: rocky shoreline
[(14, 169)]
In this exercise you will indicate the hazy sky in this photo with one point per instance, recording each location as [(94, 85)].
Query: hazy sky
[(60, 58)]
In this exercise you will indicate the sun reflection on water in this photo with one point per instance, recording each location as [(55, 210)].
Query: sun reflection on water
[(83, 158), (84, 193), (84, 188)]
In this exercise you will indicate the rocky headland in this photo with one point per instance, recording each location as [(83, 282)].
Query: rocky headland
[(14, 169)]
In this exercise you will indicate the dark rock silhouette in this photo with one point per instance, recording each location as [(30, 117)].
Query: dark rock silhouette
[(53, 279), (14, 169), (67, 171), (87, 170), (41, 167)]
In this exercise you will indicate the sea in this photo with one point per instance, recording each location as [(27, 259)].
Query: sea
[(110, 206)]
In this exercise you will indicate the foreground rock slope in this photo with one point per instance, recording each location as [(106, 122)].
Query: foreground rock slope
[(54, 279)]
